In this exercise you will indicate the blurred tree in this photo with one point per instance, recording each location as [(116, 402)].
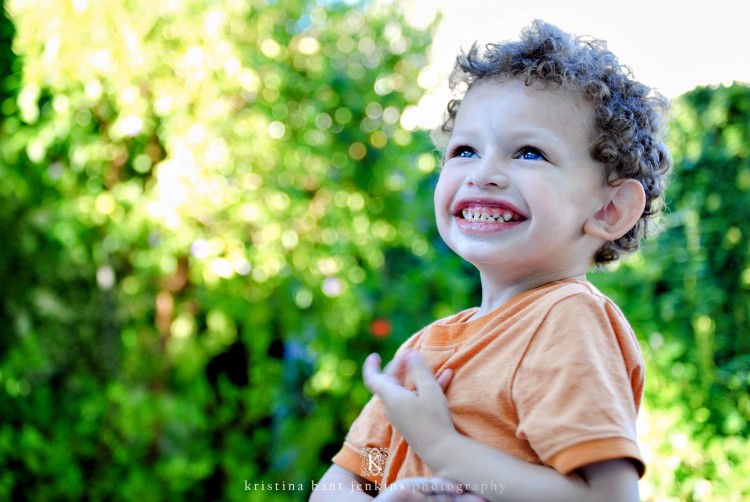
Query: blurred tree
[(202, 202)]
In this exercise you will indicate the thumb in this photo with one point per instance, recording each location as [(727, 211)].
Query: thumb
[(444, 378)]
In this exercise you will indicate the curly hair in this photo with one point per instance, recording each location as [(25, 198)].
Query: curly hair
[(628, 136)]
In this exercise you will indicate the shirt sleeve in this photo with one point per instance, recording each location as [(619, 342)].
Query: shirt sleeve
[(371, 430), (578, 387)]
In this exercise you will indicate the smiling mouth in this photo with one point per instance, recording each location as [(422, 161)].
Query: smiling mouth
[(489, 215)]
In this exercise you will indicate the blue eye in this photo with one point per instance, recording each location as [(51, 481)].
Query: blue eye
[(463, 151), (531, 153)]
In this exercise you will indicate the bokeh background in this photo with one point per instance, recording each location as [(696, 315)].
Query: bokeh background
[(212, 211)]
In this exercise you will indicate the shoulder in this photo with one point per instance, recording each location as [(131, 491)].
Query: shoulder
[(581, 321), (437, 329), (574, 288), (581, 302), (456, 318)]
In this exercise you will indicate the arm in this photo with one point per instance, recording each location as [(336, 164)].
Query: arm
[(509, 478), (423, 418), (339, 484)]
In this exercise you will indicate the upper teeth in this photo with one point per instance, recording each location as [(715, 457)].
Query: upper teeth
[(484, 215)]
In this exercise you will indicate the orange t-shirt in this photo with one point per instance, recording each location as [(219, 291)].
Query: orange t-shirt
[(553, 377)]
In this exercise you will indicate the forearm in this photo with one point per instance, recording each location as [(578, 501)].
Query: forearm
[(339, 484), (498, 476)]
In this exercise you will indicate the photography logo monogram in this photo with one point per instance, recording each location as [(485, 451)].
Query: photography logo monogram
[(373, 461)]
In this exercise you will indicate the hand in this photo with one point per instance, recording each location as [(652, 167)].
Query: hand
[(426, 490), (421, 416)]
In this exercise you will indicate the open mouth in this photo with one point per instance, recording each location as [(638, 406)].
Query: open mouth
[(487, 211), (489, 215)]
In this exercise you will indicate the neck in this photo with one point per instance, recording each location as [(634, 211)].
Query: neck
[(497, 292)]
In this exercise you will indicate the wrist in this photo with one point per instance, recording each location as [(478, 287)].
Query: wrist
[(439, 453)]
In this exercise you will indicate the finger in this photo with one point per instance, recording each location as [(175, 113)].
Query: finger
[(471, 497), (442, 497), (444, 378), (379, 383), (422, 374), (397, 359), (438, 485), (413, 490), (397, 368), (371, 373)]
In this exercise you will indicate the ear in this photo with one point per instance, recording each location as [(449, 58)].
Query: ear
[(622, 208)]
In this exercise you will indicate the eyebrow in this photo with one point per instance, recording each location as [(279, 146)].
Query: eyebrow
[(521, 136)]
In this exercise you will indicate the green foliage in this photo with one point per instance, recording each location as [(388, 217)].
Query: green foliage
[(214, 210), (203, 202), (688, 293)]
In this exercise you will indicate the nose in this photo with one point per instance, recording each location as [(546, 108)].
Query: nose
[(489, 172)]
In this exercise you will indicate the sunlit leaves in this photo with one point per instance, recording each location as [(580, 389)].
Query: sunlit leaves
[(209, 194)]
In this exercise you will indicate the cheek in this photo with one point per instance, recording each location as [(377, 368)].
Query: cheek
[(558, 204), (537, 193), (440, 195), (447, 184), (442, 199)]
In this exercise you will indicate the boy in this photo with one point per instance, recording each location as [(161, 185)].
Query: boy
[(554, 162)]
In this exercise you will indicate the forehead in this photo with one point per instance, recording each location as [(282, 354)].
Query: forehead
[(511, 111), (511, 93)]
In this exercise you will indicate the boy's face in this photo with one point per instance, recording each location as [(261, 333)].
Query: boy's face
[(518, 183)]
